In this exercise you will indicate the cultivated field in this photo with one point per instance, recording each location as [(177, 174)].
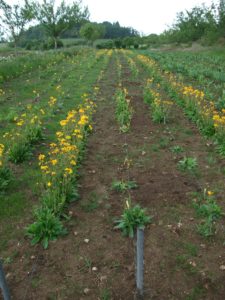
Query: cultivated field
[(84, 136)]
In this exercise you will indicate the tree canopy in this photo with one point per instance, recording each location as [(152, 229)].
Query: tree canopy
[(15, 18), (92, 31), (57, 19)]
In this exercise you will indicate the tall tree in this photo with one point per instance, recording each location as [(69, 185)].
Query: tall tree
[(15, 18), (92, 31), (221, 10), (57, 19)]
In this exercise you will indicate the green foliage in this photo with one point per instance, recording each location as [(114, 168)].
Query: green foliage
[(133, 217), (54, 201), (207, 209), (33, 133), (105, 45), (177, 149), (220, 148), (47, 228), (121, 186), (19, 151), (57, 19), (92, 31), (115, 31), (123, 110), (5, 177), (15, 18), (188, 164), (207, 228), (105, 294), (220, 104), (16, 66), (148, 95)]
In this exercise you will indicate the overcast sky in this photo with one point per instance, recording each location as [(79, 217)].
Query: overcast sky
[(147, 16)]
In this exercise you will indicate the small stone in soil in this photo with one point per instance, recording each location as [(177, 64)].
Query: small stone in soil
[(86, 291)]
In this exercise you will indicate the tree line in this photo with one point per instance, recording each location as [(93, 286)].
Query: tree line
[(54, 22), (201, 23)]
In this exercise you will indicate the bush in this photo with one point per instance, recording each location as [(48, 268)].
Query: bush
[(5, 177), (105, 45), (118, 44), (47, 228)]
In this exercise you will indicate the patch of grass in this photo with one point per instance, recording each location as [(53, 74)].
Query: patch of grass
[(211, 160), (183, 262), (155, 147), (92, 203), (177, 149), (87, 264), (209, 211), (105, 294), (188, 132), (35, 282), (192, 249), (188, 164), (164, 142), (122, 186), (12, 205), (196, 293)]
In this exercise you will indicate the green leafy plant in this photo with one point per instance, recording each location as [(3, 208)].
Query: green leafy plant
[(207, 208), (5, 177), (160, 110), (133, 217), (33, 133), (177, 149), (19, 151), (123, 110), (206, 228), (46, 228), (121, 186), (188, 164)]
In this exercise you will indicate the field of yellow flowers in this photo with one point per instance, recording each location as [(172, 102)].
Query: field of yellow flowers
[(98, 138)]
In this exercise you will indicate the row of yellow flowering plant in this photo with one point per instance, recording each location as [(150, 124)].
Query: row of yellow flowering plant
[(124, 110), (209, 119), (160, 108), (59, 170), (59, 173), (29, 129)]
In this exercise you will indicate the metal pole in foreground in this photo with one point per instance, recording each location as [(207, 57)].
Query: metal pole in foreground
[(3, 284), (140, 263)]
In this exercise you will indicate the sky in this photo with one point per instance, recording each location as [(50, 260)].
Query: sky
[(146, 16)]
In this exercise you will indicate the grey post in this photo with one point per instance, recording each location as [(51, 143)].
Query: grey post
[(3, 284), (140, 263)]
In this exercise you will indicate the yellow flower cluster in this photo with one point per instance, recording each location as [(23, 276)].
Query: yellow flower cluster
[(2, 92), (52, 101), (147, 61), (205, 109), (2, 148), (59, 165)]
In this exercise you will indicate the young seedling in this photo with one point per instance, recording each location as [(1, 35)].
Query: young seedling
[(133, 217), (122, 186), (188, 164), (177, 149), (207, 209)]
